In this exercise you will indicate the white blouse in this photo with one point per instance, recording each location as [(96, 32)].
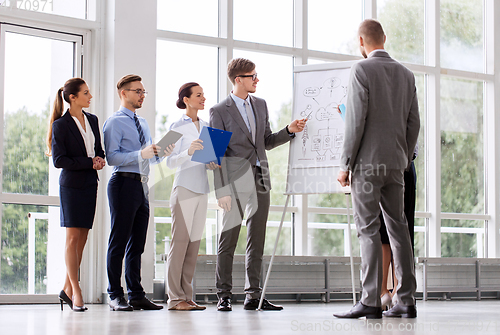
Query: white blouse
[(88, 136), (189, 174)]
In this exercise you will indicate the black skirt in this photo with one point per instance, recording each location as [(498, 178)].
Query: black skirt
[(78, 205)]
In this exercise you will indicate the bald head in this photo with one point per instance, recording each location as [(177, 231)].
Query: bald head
[(372, 32)]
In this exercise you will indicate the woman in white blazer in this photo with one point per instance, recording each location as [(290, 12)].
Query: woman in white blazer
[(188, 200)]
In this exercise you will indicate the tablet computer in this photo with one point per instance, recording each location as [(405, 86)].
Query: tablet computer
[(170, 138)]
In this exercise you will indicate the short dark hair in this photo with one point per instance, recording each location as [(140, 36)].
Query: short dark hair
[(185, 91), (126, 80), (238, 66), (372, 32)]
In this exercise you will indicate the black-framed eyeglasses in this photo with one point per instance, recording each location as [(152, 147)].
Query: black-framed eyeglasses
[(253, 76), (138, 91)]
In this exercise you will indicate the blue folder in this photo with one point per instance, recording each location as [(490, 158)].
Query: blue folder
[(215, 142), (342, 111)]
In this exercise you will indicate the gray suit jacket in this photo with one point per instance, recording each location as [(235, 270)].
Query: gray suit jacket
[(382, 119), (242, 153)]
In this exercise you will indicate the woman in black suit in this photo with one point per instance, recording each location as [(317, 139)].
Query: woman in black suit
[(75, 143)]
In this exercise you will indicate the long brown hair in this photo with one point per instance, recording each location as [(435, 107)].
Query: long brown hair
[(72, 86)]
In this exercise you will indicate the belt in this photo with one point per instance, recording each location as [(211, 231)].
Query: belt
[(142, 178)]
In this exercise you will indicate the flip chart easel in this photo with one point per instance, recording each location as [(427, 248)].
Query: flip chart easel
[(314, 158)]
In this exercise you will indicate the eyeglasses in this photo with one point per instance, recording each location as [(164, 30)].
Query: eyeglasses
[(138, 91), (253, 76)]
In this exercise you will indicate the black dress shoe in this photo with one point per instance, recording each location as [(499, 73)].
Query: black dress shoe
[(144, 304), (120, 304), (401, 311), (359, 310), (252, 304), (224, 305)]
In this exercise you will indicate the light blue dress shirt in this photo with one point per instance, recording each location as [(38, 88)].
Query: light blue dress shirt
[(240, 104), (122, 144), (190, 175)]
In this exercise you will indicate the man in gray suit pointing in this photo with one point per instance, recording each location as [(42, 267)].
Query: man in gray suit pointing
[(243, 181), (382, 125)]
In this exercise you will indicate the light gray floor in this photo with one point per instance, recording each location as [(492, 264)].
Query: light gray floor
[(434, 317)]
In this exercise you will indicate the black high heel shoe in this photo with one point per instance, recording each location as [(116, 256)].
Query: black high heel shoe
[(63, 297)]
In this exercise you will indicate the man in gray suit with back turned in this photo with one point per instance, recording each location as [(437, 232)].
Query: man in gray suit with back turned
[(382, 125), (243, 183)]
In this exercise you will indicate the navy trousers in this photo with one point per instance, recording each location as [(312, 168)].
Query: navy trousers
[(129, 207)]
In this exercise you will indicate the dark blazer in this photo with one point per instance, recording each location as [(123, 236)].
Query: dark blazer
[(242, 153), (69, 153)]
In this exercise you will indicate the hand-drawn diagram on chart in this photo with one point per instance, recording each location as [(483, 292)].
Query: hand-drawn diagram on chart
[(317, 96)]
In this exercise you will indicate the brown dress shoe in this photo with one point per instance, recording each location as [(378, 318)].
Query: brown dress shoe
[(196, 306), (182, 306)]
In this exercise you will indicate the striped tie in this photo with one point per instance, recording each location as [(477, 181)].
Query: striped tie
[(251, 120), (144, 163)]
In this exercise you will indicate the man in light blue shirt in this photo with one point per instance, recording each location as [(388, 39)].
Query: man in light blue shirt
[(127, 140)]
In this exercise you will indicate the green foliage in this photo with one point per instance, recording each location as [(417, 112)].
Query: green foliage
[(461, 20), (25, 167), (25, 171), (403, 22), (162, 127)]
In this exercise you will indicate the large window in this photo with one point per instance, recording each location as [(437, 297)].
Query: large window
[(331, 36), (32, 243)]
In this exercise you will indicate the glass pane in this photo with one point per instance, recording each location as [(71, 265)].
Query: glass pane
[(198, 17), (174, 69), (25, 166), (327, 235), (462, 45), (163, 234), (332, 200), (462, 156), (320, 61), (333, 25), (163, 230), (419, 238), (73, 8), (285, 240), (32, 250), (403, 23), (273, 222), (462, 238), (273, 69), (420, 203), (262, 21)]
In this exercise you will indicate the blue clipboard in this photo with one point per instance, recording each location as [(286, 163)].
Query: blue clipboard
[(342, 111), (215, 142)]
